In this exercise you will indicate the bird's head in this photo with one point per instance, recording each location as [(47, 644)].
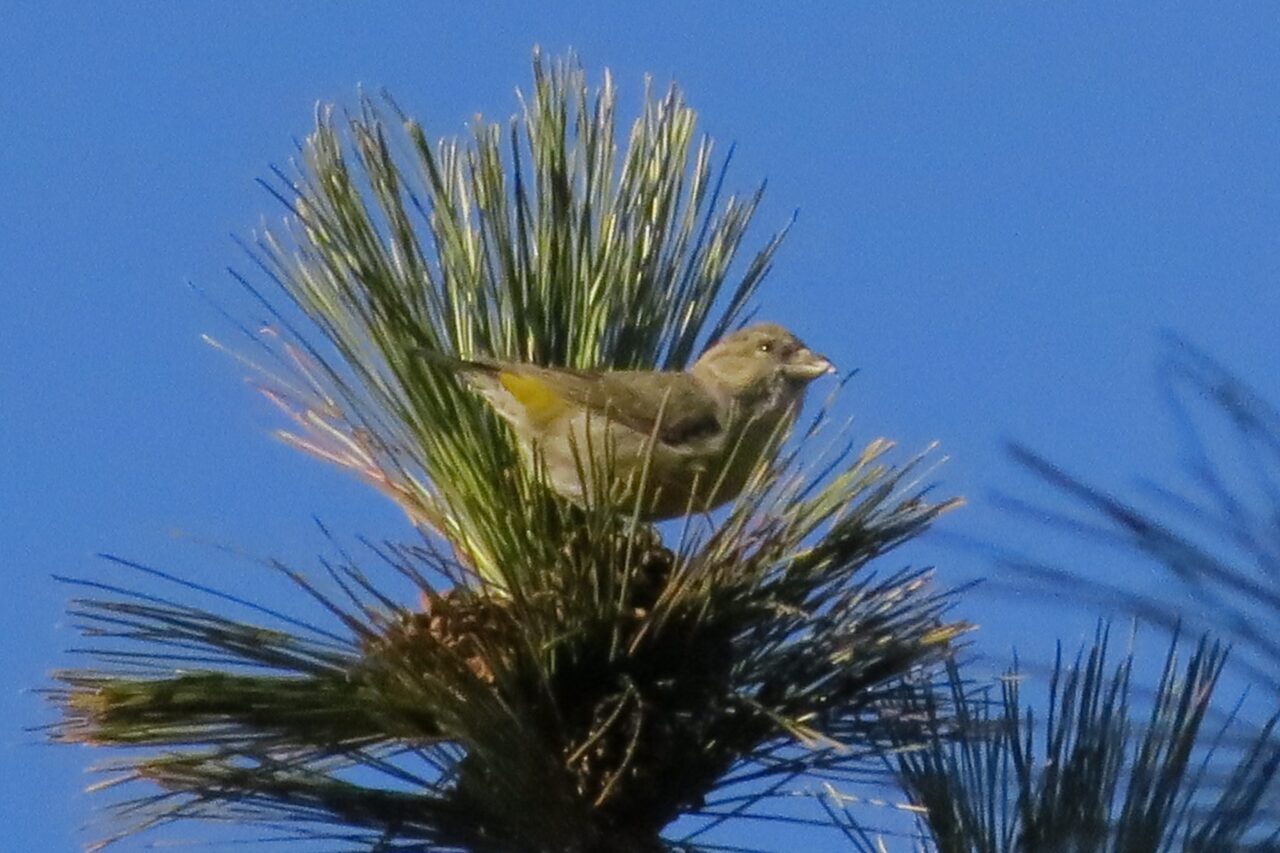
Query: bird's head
[(763, 359)]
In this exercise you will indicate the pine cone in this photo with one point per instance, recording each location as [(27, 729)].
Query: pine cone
[(470, 626)]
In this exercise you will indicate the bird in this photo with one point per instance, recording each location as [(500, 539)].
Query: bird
[(662, 443)]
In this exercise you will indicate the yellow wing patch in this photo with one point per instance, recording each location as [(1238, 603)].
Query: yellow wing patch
[(541, 403)]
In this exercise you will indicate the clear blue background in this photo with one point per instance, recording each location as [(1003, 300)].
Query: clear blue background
[(999, 209)]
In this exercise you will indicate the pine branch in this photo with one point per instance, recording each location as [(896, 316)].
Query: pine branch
[(1089, 776), (567, 679)]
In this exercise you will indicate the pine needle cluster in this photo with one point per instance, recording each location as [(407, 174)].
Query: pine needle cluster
[(566, 678)]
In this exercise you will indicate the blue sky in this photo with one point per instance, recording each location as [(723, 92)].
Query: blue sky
[(998, 212)]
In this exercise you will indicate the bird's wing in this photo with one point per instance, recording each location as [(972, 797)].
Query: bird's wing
[(673, 406), (636, 399)]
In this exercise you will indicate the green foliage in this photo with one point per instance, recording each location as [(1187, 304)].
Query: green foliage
[(1215, 536), (567, 680), (551, 249), (1088, 777)]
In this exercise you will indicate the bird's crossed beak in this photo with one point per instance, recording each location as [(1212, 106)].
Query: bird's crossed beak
[(807, 364)]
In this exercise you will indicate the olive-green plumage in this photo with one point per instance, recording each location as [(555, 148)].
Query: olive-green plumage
[(692, 437)]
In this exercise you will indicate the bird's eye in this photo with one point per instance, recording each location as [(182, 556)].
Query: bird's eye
[(767, 346)]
